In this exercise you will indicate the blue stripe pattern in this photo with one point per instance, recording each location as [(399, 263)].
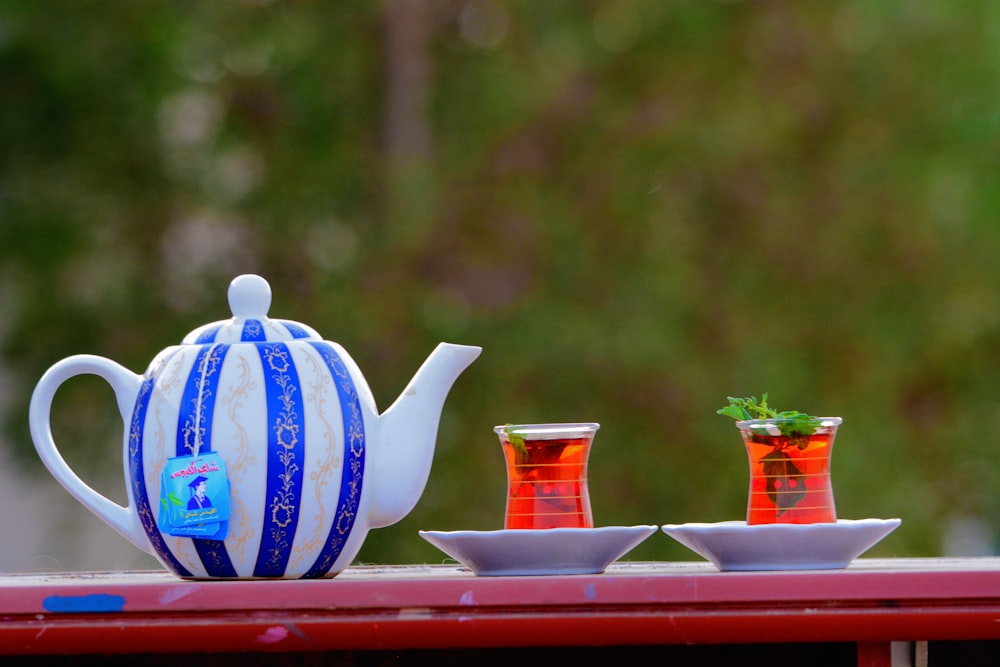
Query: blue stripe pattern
[(194, 436), (137, 474), (208, 335), (354, 461), (285, 458), (253, 332), (295, 329)]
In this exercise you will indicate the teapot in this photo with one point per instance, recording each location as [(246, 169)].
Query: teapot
[(254, 448)]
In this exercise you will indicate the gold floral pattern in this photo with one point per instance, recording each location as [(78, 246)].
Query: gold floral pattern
[(350, 494), (241, 531), (137, 470), (321, 473), (193, 432)]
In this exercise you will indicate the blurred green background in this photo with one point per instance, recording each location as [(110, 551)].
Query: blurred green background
[(636, 208)]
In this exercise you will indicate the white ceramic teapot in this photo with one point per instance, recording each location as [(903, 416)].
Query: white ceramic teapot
[(254, 449)]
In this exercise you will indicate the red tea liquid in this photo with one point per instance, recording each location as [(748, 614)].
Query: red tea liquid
[(547, 483), (790, 477)]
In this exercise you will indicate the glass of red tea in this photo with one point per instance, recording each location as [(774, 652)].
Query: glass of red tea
[(790, 470), (547, 474)]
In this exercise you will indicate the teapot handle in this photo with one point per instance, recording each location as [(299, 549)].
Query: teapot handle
[(126, 385)]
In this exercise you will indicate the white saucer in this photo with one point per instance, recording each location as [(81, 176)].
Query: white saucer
[(733, 545), (536, 552)]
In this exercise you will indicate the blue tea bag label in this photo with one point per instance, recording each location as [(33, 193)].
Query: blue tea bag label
[(194, 496)]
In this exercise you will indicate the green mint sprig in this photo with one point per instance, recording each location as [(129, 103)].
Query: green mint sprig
[(517, 441), (791, 422)]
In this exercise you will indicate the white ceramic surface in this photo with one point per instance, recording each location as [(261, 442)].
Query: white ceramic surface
[(539, 552), (291, 424), (733, 545)]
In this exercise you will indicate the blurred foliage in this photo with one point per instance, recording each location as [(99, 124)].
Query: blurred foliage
[(636, 208)]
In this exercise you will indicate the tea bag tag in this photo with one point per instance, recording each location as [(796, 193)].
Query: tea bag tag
[(194, 497)]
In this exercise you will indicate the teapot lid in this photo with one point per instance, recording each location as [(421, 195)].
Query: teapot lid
[(249, 300)]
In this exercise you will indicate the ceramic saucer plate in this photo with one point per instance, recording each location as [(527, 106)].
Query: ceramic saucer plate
[(733, 545), (538, 552)]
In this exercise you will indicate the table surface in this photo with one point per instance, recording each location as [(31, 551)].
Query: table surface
[(445, 606)]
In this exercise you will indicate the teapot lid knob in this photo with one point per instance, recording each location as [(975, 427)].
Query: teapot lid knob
[(249, 297)]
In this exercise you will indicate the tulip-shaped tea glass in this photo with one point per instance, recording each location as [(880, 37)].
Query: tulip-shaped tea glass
[(789, 471), (547, 475)]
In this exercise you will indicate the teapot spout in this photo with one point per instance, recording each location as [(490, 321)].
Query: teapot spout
[(407, 434)]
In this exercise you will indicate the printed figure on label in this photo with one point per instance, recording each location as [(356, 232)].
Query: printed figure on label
[(199, 487)]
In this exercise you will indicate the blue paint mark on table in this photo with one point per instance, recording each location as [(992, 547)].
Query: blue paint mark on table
[(83, 604)]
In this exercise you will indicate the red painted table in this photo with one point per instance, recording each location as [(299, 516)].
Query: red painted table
[(404, 608)]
